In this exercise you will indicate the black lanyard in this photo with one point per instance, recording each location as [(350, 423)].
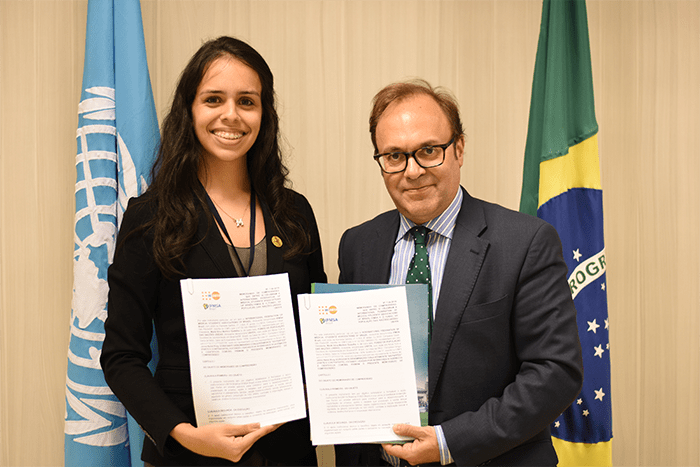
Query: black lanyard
[(222, 226)]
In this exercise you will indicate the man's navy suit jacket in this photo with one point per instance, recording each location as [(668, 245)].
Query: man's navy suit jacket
[(505, 359)]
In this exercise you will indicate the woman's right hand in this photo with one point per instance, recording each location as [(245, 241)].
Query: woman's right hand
[(220, 440)]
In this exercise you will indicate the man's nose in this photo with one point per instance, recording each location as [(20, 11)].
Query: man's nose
[(413, 169)]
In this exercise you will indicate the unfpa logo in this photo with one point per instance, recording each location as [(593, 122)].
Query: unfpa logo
[(325, 310), (326, 314), (211, 295)]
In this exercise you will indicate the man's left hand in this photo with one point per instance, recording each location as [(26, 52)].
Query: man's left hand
[(422, 450)]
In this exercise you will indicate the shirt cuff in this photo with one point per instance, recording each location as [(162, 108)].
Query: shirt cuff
[(445, 456)]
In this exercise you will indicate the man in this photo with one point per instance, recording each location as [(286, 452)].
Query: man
[(505, 359)]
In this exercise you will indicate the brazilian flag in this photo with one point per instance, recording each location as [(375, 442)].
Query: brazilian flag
[(561, 184)]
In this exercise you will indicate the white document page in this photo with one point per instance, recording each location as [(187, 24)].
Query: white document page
[(244, 358), (358, 363)]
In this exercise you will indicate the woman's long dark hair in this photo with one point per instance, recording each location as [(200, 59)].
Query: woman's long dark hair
[(175, 173)]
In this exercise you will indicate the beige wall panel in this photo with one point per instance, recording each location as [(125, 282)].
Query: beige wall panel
[(329, 58), (612, 30), (687, 169), (39, 84), (646, 62)]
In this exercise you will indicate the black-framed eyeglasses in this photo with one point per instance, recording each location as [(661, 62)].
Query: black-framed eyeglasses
[(427, 157)]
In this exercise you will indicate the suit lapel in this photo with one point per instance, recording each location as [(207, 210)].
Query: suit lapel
[(467, 252), (378, 250), (275, 254)]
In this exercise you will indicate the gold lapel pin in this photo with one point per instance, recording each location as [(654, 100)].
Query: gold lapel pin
[(277, 241)]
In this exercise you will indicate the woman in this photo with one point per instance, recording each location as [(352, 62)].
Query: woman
[(218, 182)]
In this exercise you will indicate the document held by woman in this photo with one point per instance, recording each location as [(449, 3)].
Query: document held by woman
[(244, 357)]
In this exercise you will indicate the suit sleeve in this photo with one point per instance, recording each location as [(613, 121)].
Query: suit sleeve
[(546, 343), (134, 282), (344, 274)]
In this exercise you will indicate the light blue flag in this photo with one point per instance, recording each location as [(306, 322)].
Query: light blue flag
[(117, 140)]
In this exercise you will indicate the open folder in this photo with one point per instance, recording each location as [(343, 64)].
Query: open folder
[(365, 353)]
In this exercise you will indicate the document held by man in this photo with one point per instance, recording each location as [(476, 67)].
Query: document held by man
[(418, 317), (244, 358), (358, 363)]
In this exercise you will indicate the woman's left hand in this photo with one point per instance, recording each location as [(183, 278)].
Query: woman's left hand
[(220, 440)]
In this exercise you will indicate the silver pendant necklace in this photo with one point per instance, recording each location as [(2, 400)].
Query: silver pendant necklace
[(238, 220)]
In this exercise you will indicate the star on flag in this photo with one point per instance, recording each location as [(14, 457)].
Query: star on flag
[(577, 254), (593, 326), (599, 351), (599, 394)]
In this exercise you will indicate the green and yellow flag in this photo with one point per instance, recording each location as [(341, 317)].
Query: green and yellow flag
[(561, 184)]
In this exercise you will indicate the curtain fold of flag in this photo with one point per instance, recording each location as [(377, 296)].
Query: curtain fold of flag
[(561, 184), (117, 139)]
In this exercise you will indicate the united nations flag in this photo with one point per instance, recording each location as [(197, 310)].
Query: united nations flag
[(117, 139), (561, 184)]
